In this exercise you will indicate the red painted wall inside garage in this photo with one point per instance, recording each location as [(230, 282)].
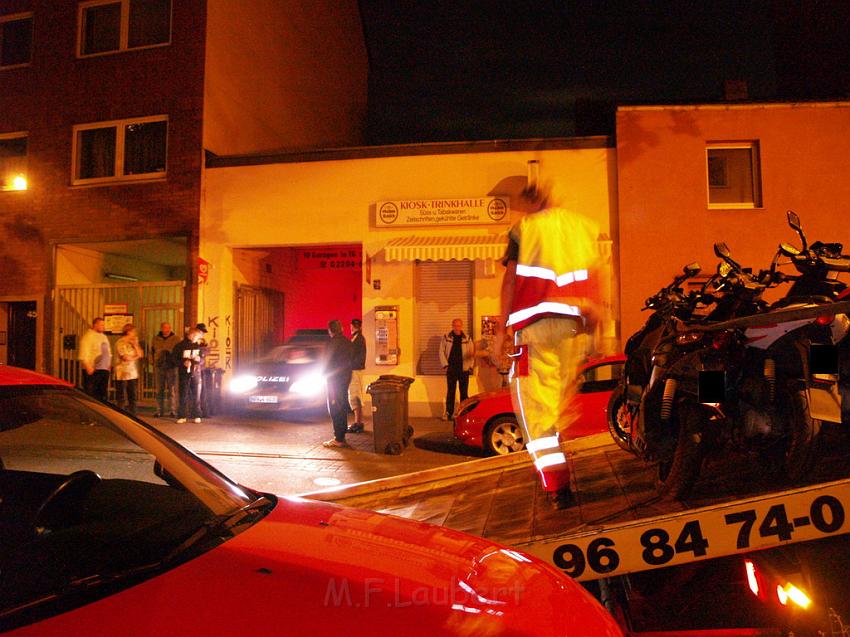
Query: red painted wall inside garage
[(314, 295)]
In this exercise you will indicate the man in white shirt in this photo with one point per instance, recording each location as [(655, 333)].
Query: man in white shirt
[(95, 355)]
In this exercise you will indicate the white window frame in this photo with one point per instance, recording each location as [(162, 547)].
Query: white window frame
[(124, 38), (12, 18), (119, 125), (18, 135), (755, 157)]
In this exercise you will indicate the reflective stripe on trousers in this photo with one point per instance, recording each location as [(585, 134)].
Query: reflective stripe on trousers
[(542, 397)]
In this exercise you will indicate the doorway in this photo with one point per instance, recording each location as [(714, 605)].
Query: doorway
[(18, 328)]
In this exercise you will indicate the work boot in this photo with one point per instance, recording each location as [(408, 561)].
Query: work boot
[(562, 498)]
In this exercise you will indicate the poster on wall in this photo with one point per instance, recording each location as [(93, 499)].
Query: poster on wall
[(500, 360), (114, 323)]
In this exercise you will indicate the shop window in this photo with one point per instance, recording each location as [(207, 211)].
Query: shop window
[(734, 175), (15, 40), (13, 161), (122, 150), (107, 26), (443, 293)]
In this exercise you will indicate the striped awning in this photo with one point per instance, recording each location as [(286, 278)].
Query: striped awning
[(490, 246)]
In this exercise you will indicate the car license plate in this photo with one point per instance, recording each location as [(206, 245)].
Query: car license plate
[(262, 399)]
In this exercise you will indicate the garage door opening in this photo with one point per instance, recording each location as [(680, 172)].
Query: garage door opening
[(140, 282), (280, 290)]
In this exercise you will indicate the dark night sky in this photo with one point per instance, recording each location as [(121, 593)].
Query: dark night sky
[(443, 71)]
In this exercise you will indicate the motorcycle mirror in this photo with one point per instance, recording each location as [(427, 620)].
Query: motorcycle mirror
[(722, 250), (788, 250), (692, 269), (794, 220)]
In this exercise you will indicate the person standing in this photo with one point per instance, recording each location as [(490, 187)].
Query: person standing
[(128, 352), (355, 387), (338, 377), (457, 356), (551, 300), (202, 388), (165, 370), (95, 356), (189, 356)]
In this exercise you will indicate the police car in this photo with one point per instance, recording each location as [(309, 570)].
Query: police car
[(289, 377)]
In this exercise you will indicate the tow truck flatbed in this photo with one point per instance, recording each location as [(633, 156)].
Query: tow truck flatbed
[(620, 524)]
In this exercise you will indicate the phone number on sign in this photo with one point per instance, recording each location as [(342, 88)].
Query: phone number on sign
[(797, 516)]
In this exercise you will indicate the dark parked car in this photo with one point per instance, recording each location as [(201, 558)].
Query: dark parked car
[(289, 377)]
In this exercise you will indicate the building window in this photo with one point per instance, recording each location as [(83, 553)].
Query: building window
[(443, 293), (13, 161), (734, 175), (15, 40), (109, 26), (122, 150)]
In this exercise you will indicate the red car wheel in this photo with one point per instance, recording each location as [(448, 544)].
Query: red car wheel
[(504, 436)]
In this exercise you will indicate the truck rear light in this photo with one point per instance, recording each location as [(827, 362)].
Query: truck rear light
[(752, 577)]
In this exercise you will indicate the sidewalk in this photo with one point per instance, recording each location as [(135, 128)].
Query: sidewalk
[(286, 457)]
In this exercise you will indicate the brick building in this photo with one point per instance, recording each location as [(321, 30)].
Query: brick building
[(107, 108)]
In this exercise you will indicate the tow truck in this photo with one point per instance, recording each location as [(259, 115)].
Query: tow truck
[(740, 557)]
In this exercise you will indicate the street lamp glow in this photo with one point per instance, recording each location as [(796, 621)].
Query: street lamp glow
[(19, 183)]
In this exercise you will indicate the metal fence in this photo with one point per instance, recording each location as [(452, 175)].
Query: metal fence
[(148, 305), (259, 321)]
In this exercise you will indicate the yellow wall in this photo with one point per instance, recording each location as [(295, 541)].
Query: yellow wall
[(333, 202), (664, 217), (283, 74)]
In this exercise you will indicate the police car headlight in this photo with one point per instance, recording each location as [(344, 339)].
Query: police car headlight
[(241, 384), (311, 385)]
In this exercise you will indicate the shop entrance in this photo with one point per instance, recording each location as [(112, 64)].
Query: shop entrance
[(280, 290), (18, 323)]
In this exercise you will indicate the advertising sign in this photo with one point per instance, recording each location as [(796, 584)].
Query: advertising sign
[(330, 258), (442, 212), (800, 515)]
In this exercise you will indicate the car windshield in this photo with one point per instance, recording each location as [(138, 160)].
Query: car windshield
[(87, 491), (295, 353)]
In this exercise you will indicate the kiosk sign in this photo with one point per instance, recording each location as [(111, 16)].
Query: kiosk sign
[(442, 212)]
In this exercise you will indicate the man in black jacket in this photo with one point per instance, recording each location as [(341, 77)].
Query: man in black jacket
[(338, 377), (358, 364), (189, 356)]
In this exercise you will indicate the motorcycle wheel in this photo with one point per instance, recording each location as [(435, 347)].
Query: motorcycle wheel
[(802, 445), (677, 476), (617, 422)]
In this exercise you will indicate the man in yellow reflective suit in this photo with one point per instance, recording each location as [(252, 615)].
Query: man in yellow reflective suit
[(550, 299)]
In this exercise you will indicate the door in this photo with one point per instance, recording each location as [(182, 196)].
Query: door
[(21, 334)]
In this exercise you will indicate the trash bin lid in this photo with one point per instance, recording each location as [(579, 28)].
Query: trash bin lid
[(393, 378), (384, 387)]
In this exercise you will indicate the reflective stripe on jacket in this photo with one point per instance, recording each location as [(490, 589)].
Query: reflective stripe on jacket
[(557, 271)]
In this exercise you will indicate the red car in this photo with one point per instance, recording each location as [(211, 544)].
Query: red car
[(488, 420), (109, 527)]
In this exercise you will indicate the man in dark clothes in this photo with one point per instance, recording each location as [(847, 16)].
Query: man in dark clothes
[(189, 356), (338, 376), (358, 364), (457, 356)]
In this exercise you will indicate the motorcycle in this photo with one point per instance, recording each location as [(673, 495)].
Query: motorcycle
[(770, 398)]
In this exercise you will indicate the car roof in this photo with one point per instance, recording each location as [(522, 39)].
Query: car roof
[(20, 376)]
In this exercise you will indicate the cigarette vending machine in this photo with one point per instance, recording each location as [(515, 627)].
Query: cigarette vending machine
[(386, 335)]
